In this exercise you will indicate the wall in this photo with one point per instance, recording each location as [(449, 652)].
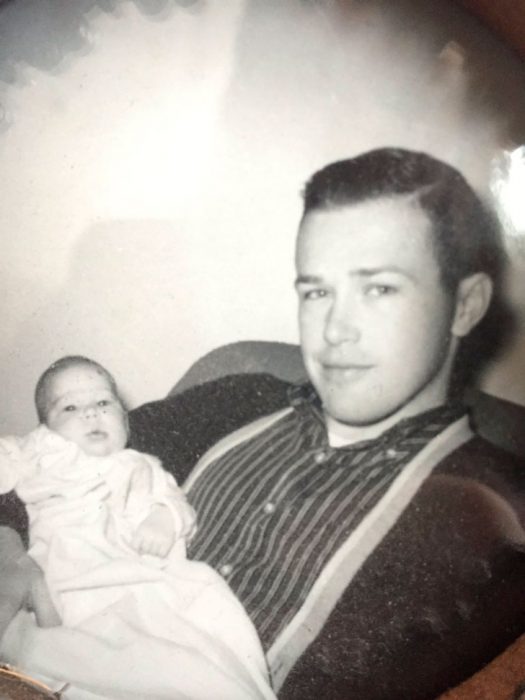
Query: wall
[(151, 163)]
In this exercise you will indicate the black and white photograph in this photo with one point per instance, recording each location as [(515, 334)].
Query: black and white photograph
[(262, 293)]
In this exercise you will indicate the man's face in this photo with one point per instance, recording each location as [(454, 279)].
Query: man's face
[(375, 321), (82, 407)]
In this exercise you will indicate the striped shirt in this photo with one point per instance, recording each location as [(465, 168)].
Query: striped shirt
[(273, 510)]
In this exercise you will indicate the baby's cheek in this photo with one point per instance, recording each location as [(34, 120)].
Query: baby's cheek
[(121, 430), (58, 424)]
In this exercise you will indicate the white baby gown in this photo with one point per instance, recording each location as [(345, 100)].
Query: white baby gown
[(134, 626)]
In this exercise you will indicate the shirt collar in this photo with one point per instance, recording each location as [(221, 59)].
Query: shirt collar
[(304, 399)]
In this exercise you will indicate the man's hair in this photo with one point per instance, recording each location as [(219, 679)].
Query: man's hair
[(466, 235), (42, 386)]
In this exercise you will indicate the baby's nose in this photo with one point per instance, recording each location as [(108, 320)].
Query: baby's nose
[(91, 410)]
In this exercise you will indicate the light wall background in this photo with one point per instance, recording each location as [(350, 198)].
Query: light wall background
[(152, 156)]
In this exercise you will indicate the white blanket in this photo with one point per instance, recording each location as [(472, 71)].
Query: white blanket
[(134, 626)]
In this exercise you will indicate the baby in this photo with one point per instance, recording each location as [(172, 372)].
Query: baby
[(78, 399), (108, 527)]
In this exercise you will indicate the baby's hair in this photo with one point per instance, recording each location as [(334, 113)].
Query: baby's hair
[(61, 364)]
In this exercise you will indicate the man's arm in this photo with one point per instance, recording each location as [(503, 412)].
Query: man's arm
[(22, 583)]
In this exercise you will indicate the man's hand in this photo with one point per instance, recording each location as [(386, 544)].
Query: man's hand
[(22, 584), (156, 533)]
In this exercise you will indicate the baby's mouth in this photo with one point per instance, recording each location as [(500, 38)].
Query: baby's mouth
[(97, 435)]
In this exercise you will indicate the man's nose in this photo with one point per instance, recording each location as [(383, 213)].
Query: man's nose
[(341, 324)]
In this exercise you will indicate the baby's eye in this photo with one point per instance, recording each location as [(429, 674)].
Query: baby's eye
[(70, 408), (103, 403)]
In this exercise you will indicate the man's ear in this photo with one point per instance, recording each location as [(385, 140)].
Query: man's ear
[(472, 301)]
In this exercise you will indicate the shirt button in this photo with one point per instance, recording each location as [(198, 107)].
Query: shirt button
[(226, 569), (321, 457), (269, 508), (391, 453), (296, 401)]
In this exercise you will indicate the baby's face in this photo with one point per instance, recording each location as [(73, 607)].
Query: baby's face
[(82, 407)]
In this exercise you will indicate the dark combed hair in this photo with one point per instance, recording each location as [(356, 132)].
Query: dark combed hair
[(62, 364), (466, 234)]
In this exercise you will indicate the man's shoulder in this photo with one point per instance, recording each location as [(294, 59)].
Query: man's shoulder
[(482, 460), (252, 393), (498, 420), (182, 427)]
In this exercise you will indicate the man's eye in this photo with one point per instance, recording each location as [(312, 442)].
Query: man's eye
[(380, 290), (313, 294), (70, 408)]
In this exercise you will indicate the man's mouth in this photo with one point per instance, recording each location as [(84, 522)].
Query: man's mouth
[(344, 372)]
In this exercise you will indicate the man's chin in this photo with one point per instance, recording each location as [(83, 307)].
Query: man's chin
[(357, 421), (357, 418)]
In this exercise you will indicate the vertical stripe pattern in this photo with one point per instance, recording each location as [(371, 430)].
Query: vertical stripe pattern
[(274, 509)]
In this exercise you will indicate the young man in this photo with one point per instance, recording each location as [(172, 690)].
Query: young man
[(375, 542)]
